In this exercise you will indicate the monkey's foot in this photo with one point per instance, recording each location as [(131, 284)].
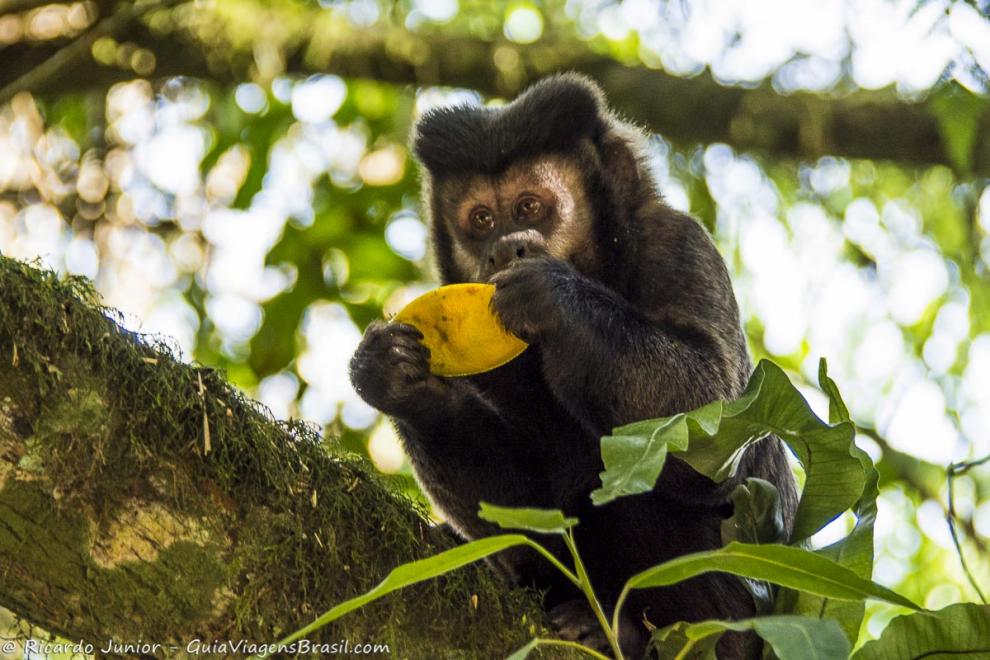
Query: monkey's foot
[(575, 622)]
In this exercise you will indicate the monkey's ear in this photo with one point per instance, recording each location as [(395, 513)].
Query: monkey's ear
[(451, 138), (556, 112), (552, 115)]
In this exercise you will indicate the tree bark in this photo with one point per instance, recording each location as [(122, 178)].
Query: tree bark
[(146, 499), (267, 39)]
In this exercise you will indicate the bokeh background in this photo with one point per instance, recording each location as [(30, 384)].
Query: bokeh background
[(234, 175)]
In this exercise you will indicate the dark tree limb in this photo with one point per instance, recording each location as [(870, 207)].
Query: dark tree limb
[(876, 125), (16, 6)]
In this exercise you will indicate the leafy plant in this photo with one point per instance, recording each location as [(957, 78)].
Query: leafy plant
[(819, 609)]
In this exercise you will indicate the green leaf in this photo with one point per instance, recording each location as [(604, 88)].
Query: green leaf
[(780, 564), (802, 638), (837, 410), (673, 642), (635, 454), (417, 571), (855, 551), (959, 113), (631, 465), (712, 439), (523, 652), (791, 637), (758, 516), (258, 135), (544, 521), (77, 115), (958, 631), (257, 167)]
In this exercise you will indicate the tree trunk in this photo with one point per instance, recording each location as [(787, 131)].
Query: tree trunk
[(146, 499)]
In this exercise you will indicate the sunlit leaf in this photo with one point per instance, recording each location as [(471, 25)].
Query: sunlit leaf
[(960, 114), (545, 521), (855, 551), (784, 565), (523, 652), (758, 516), (957, 631), (791, 637), (718, 433)]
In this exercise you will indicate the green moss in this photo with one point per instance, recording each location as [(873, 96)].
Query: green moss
[(130, 589), (114, 418)]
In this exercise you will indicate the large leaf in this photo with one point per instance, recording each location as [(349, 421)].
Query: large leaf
[(544, 521), (838, 412), (758, 516), (957, 631), (780, 564), (418, 571), (633, 460), (855, 551), (717, 434), (672, 642), (791, 637)]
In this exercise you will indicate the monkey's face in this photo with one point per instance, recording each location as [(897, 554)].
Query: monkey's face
[(537, 207)]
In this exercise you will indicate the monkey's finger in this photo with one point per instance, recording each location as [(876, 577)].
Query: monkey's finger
[(412, 372), (404, 329), (413, 354), (411, 346), (376, 336)]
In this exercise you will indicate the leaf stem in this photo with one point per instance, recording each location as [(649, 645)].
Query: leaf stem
[(954, 470), (76, 51), (683, 653), (618, 607), (584, 583), (540, 641), (556, 562)]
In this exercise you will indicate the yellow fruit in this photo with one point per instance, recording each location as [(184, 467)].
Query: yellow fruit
[(460, 329)]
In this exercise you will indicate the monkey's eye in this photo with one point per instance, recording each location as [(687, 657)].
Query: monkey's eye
[(482, 220), (529, 208)]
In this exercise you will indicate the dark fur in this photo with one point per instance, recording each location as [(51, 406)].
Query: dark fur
[(651, 330), (455, 140)]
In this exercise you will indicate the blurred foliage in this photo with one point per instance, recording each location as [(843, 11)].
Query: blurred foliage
[(241, 211)]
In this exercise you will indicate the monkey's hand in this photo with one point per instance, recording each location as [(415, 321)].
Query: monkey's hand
[(528, 294), (390, 370)]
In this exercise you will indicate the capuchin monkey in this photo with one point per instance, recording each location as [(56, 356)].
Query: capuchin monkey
[(629, 313)]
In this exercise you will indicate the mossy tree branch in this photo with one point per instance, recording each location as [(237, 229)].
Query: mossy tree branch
[(143, 498)]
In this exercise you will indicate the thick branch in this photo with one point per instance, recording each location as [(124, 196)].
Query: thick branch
[(873, 125), (143, 498)]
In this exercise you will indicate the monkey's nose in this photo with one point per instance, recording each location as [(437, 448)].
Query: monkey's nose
[(510, 249)]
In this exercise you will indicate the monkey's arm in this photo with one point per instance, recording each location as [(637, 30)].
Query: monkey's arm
[(610, 363), (458, 443)]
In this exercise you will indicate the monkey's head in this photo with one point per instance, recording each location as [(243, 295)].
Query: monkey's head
[(553, 173)]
